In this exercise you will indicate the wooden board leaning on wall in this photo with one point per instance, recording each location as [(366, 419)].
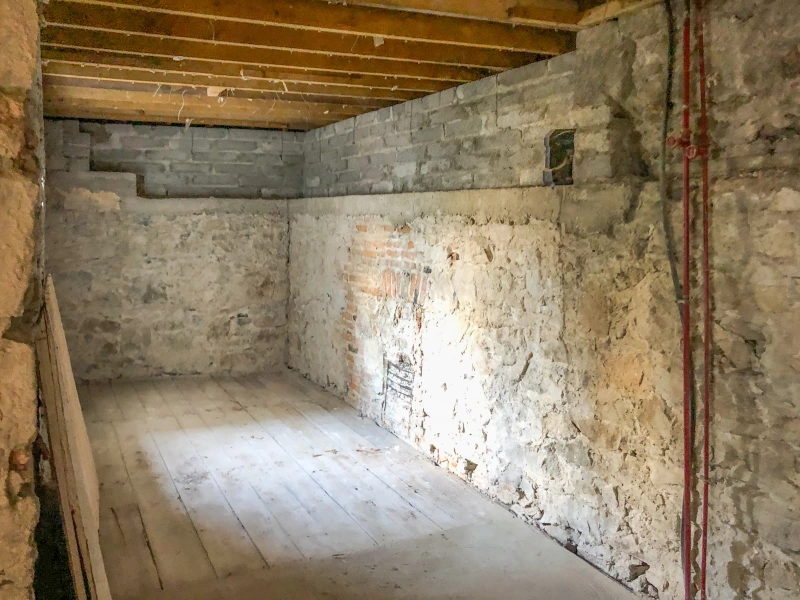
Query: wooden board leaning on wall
[(71, 455)]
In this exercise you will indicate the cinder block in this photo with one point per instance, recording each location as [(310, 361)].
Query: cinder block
[(78, 164), (358, 162), (76, 151), (522, 76), (476, 89), (209, 133), (237, 145), (404, 169), (473, 126), (140, 142), (344, 126), (113, 155), (70, 127), (382, 187), (212, 179), (214, 156), (169, 155), (447, 114), (383, 158), (254, 135), (431, 134), (190, 167)]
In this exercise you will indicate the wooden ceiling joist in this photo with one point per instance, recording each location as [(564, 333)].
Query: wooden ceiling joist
[(568, 20), (313, 15), (267, 88), (612, 10), (87, 102), (289, 63), (123, 20), (487, 10), (82, 79), (66, 37), (381, 84)]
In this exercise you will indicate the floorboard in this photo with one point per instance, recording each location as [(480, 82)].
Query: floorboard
[(266, 486)]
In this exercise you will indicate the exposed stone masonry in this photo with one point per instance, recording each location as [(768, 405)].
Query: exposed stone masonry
[(156, 287), (20, 284)]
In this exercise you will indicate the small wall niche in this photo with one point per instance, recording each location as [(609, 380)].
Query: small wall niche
[(559, 148)]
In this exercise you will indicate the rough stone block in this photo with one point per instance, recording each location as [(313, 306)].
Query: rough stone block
[(18, 198)]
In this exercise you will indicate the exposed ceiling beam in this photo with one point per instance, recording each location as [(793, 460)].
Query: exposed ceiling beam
[(88, 102), (375, 22), (242, 72), (125, 79), (612, 10), (490, 10), (545, 17), (176, 49), (284, 90), (103, 18), (575, 20)]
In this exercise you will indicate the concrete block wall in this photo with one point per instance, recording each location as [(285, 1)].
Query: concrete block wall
[(485, 134), (172, 161)]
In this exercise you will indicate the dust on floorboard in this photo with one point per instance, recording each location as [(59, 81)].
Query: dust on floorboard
[(267, 486)]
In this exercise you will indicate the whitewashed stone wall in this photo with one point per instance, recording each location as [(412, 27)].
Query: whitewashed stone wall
[(157, 287), (542, 331)]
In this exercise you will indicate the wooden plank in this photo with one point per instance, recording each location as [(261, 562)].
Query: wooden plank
[(115, 485), (227, 544), (540, 16), (421, 472), (105, 406), (78, 480), (416, 482), (241, 72), (79, 102), (233, 476), (255, 35), (612, 10), (368, 98), (219, 93), (140, 115), (67, 37), (132, 571), (59, 457), (342, 532), (177, 550), (420, 494), (384, 513), (291, 495), (388, 24), (489, 10)]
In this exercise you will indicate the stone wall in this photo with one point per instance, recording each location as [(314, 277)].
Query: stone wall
[(180, 162), (20, 286), (154, 287), (541, 332), (537, 329)]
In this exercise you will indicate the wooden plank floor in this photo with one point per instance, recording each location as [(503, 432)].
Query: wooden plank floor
[(217, 487)]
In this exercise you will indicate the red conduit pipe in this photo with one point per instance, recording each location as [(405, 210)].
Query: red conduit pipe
[(703, 152), (687, 335)]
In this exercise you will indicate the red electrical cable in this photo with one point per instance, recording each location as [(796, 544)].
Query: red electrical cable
[(704, 150), (687, 335)]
